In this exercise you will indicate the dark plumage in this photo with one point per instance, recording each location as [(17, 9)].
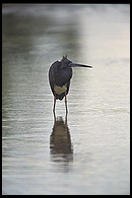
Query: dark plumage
[(60, 74)]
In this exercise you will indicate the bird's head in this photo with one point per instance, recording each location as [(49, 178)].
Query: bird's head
[(66, 62)]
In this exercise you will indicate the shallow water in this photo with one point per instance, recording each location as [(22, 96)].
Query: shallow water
[(89, 152)]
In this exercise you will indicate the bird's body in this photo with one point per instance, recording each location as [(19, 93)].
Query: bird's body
[(60, 74), (59, 78)]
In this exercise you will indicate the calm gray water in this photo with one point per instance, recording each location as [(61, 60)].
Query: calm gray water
[(88, 154)]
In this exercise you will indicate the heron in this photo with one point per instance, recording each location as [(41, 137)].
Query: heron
[(60, 74)]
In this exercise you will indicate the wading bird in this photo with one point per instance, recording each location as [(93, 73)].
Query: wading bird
[(60, 74)]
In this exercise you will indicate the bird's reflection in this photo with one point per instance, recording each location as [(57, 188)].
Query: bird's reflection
[(60, 141)]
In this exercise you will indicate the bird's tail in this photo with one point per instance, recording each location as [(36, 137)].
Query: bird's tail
[(60, 97)]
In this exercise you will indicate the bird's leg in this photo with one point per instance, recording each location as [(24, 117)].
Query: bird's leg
[(66, 104), (54, 106), (66, 119)]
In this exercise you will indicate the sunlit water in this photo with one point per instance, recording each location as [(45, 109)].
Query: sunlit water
[(89, 152)]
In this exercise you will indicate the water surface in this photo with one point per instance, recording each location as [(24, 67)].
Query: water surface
[(89, 152)]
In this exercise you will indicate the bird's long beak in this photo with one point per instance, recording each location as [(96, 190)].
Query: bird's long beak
[(78, 65)]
